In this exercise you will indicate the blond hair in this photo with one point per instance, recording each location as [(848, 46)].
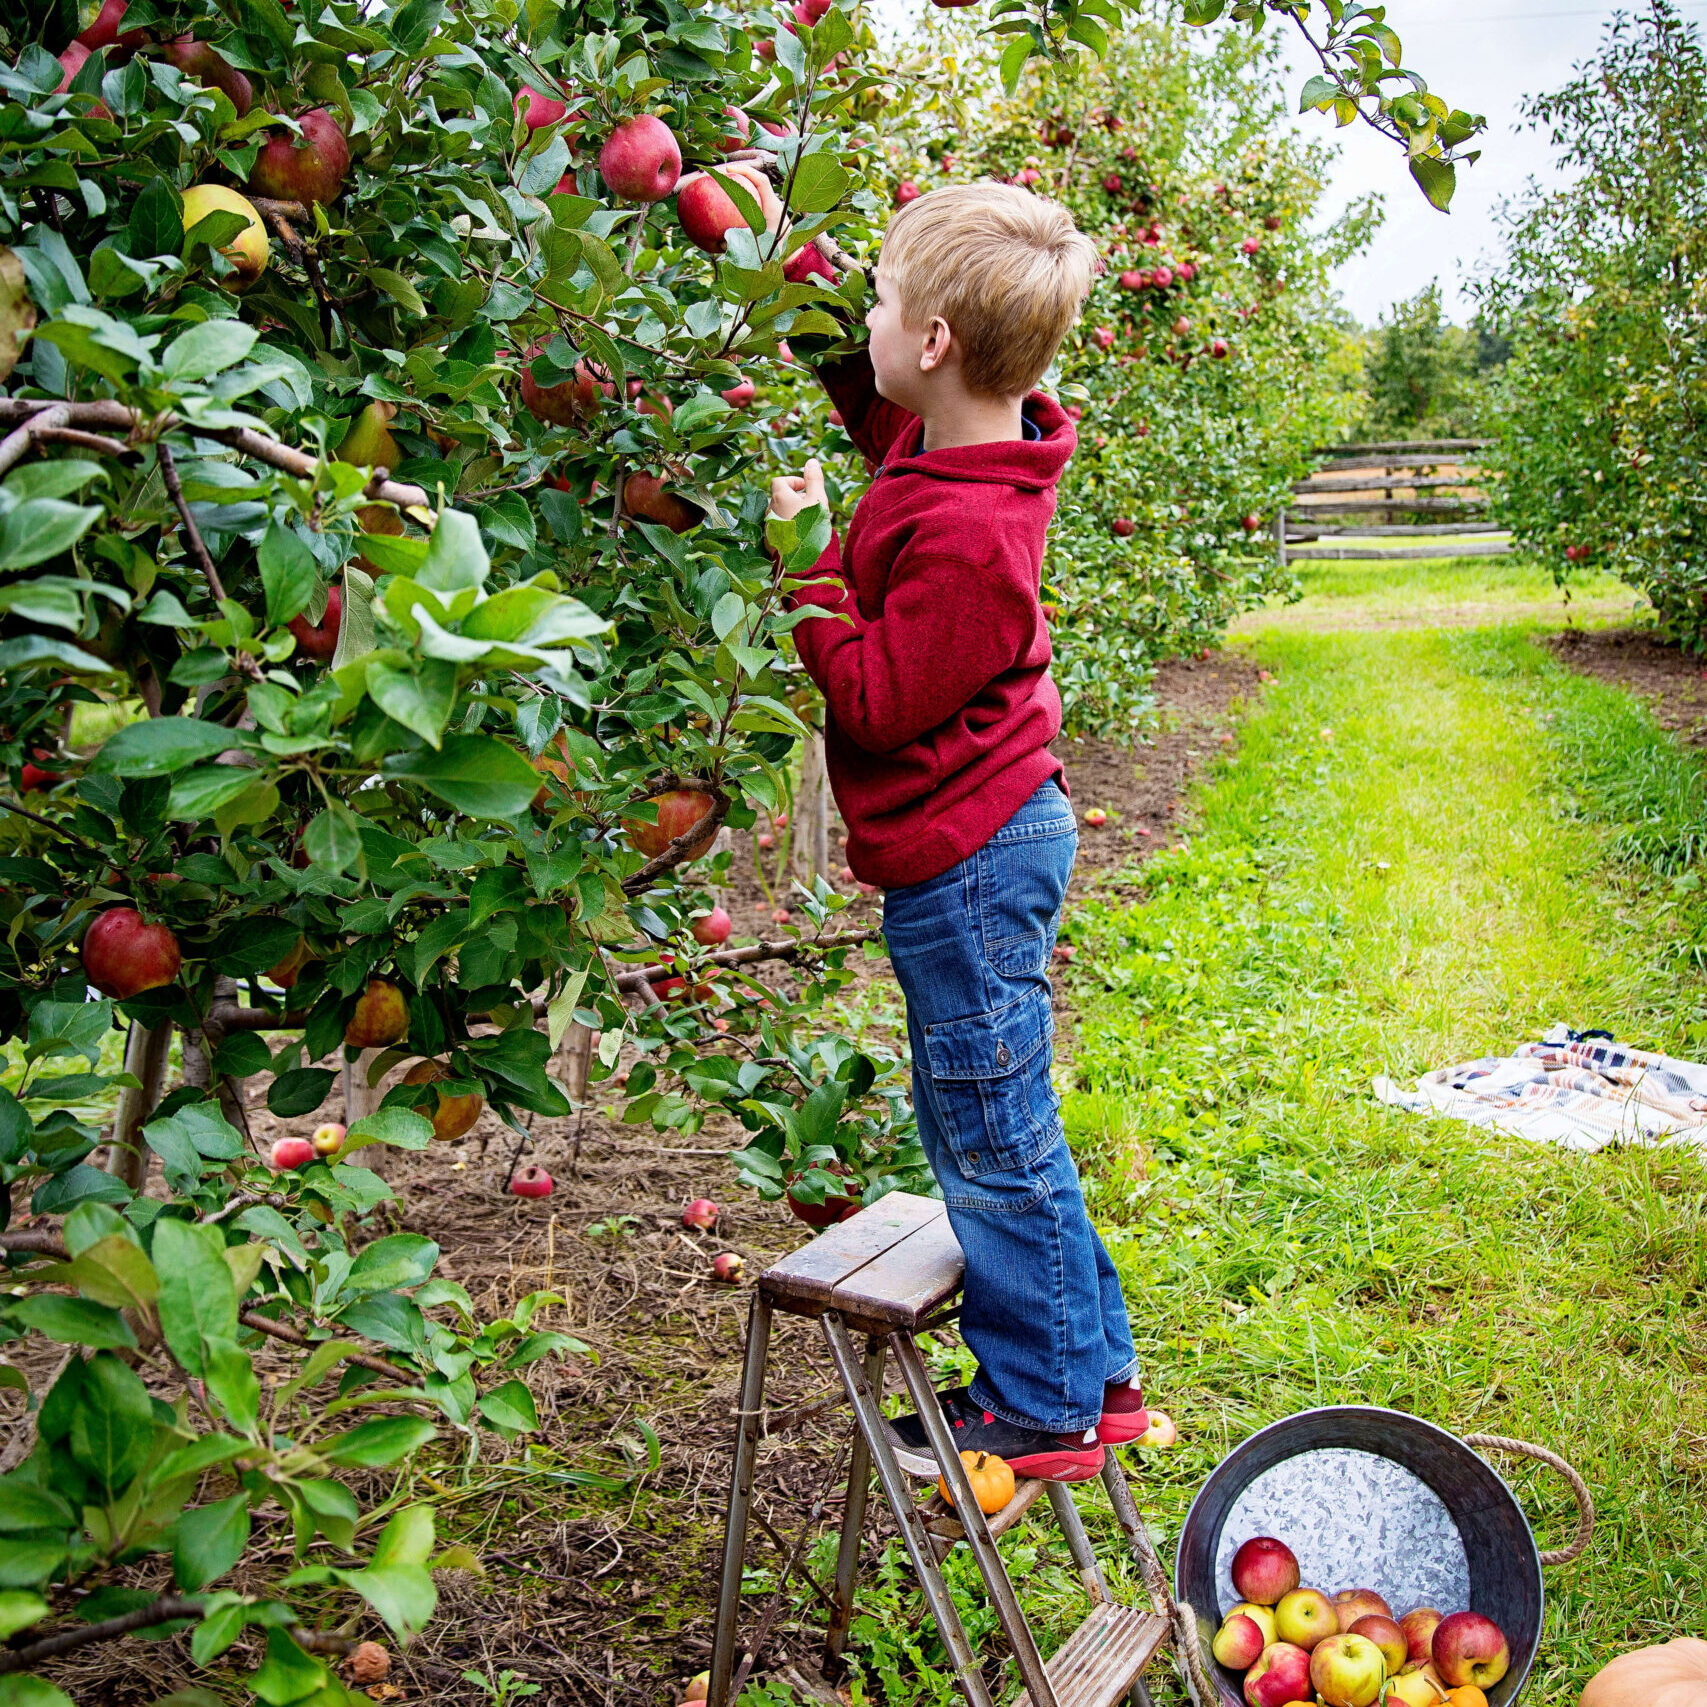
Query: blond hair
[(1006, 269)]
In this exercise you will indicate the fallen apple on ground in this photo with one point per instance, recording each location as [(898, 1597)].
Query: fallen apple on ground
[(1096, 817), (530, 1180), (1161, 1431), (701, 1214), (728, 1267)]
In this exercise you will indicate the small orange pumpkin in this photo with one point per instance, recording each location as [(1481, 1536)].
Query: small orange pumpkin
[(1673, 1674), (992, 1480)]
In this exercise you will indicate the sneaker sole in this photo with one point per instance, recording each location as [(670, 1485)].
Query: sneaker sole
[(1119, 1427), (1062, 1466)]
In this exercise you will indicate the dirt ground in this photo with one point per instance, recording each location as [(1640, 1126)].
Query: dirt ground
[(605, 1597), (1672, 682)]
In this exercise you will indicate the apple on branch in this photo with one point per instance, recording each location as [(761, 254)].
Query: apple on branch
[(308, 168), (641, 159), (123, 954), (249, 251)]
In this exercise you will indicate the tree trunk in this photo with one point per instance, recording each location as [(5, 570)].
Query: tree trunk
[(811, 843), (577, 1052), (360, 1098), (145, 1056), (198, 1048)]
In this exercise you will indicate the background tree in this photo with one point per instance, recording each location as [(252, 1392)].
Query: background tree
[(1425, 377), (1599, 416)]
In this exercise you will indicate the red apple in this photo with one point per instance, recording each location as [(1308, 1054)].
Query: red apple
[(708, 213), (1122, 527), (1238, 1643), (701, 1214), (1218, 349), (1250, 523), (1280, 1675), (328, 1139), (1096, 817), (835, 1207), (806, 263), (1387, 1636), (320, 640), (727, 1267), (906, 191), (847, 874), (1112, 183), (740, 132), (566, 403), (1264, 1570), (381, 1016), (1064, 951), (1142, 429), (104, 31), (1304, 1617), (530, 1180), (123, 955), (307, 168), (1103, 337), (538, 110), (739, 395), (211, 69), (1130, 280), (641, 160), (1347, 1670), (1181, 327), (714, 928), (32, 778), (1471, 1648), (1251, 245), (679, 810), (1419, 1627), (646, 496), (1162, 277), (780, 915), (1351, 1604), (291, 1153), (1272, 222)]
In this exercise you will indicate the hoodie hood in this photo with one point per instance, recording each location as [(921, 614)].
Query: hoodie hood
[(1032, 464)]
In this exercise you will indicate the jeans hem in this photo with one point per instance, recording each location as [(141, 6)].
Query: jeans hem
[(1127, 1372), (984, 1401)]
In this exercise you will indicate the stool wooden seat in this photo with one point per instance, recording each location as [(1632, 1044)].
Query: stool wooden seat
[(888, 1272), (889, 1266)]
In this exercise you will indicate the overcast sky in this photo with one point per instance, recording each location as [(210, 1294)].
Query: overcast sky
[(1483, 57)]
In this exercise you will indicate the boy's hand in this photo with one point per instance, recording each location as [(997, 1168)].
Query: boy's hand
[(792, 493)]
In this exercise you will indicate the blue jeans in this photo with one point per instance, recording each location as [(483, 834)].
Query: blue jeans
[(1042, 1310)]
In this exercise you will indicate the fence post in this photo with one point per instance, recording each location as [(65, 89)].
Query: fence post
[(1280, 536), (811, 840)]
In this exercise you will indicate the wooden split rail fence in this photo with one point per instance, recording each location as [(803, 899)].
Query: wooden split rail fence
[(1362, 491)]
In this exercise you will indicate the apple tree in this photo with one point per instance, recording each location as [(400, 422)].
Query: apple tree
[(388, 627)]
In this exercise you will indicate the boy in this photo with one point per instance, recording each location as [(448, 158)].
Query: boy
[(935, 671)]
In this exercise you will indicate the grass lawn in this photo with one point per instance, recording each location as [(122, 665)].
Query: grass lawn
[(1426, 845)]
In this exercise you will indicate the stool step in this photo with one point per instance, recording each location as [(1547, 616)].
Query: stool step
[(1101, 1660), (940, 1519)]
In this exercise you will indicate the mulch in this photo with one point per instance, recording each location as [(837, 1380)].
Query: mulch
[(1672, 681), (606, 1598)]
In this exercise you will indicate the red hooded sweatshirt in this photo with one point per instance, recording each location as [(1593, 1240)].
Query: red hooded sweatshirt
[(941, 709)]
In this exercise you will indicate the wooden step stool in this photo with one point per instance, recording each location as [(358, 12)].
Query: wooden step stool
[(889, 1272)]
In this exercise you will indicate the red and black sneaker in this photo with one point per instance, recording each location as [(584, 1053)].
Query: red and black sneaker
[(1124, 1417), (1028, 1451)]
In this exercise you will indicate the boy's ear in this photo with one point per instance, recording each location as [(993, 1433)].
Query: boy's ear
[(939, 338)]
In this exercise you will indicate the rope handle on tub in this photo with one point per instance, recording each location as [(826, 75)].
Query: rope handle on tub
[(1578, 1487)]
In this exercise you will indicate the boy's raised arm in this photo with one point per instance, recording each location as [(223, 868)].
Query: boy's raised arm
[(951, 624), (872, 422)]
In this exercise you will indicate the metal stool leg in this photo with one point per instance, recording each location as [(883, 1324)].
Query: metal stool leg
[(853, 1514), (900, 1497), (1078, 1542), (1155, 1577), (972, 1520), (740, 1502)]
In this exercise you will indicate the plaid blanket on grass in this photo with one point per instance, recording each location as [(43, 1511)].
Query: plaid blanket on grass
[(1576, 1091)]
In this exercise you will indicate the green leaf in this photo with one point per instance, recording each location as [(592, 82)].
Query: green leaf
[(400, 1259), (207, 349), (289, 573), (161, 746), (198, 1302), (1437, 180), (25, 1689), (820, 182), (19, 1609), (23, 1507), (419, 698), (402, 1128), (112, 1427), (209, 1640), (209, 1541), (300, 1092), (455, 556), (510, 1408), (407, 1539), (75, 1321), (1014, 56), (156, 220), (332, 840), (288, 1675), (42, 528), (379, 1442), (200, 793), (398, 289), (471, 773)]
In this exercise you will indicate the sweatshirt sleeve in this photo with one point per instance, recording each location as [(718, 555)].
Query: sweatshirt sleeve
[(950, 625), (872, 422)]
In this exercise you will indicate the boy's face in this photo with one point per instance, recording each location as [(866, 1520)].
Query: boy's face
[(901, 357)]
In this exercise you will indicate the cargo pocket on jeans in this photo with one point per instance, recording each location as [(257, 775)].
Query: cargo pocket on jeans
[(990, 1073)]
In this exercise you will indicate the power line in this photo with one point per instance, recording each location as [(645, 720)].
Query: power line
[(1538, 17)]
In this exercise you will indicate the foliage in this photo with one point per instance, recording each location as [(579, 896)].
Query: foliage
[(1202, 389), (1425, 377), (1599, 418)]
